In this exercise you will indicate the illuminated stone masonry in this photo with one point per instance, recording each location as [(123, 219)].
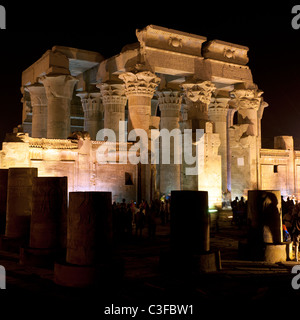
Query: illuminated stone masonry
[(167, 80)]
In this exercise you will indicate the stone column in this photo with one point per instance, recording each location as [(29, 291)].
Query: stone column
[(3, 199), (114, 102), (39, 110), (264, 216), (19, 202), (48, 228), (89, 231), (190, 233), (217, 113), (260, 112), (230, 115), (198, 95), (246, 144), (27, 111), (139, 89), (93, 112), (89, 255), (169, 104), (184, 122), (59, 92), (248, 102), (287, 143), (265, 227)]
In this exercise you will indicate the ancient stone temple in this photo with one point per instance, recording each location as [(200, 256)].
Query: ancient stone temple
[(168, 80)]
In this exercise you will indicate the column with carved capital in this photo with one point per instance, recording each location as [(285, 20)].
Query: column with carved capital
[(248, 102), (39, 110), (245, 140), (217, 113), (114, 102), (169, 104), (197, 95), (59, 92), (139, 89), (93, 112)]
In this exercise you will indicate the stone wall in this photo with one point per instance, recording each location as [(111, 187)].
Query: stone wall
[(75, 160), (279, 167)]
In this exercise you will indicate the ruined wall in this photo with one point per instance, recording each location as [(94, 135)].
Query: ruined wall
[(210, 175), (243, 162), (279, 167), (193, 83), (209, 170), (77, 161)]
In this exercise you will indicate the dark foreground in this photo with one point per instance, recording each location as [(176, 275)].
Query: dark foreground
[(240, 288)]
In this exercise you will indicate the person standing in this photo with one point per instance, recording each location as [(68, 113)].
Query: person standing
[(296, 233), (140, 221)]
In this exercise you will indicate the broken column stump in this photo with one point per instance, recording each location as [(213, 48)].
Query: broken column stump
[(89, 240), (19, 207), (264, 239), (3, 199), (190, 234), (48, 226)]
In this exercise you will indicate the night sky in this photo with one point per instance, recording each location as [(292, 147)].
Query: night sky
[(32, 28)]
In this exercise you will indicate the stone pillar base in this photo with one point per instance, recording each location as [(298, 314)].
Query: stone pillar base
[(70, 275), (200, 263), (289, 251), (43, 258), (269, 252), (12, 244), (208, 262), (106, 274), (275, 253)]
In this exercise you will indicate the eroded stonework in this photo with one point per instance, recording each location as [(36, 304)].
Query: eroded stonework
[(167, 80)]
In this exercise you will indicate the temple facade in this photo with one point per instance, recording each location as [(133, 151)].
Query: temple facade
[(169, 80)]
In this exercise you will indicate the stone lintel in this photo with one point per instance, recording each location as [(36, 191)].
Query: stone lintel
[(110, 68), (79, 54), (170, 40), (50, 63), (225, 51), (224, 72), (79, 60), (61, 60), (177, 65)]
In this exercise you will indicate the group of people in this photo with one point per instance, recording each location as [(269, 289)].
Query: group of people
[(239, 211), (132, 218), (291, 222)]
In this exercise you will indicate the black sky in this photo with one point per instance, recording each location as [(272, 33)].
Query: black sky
[(34, 27)]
